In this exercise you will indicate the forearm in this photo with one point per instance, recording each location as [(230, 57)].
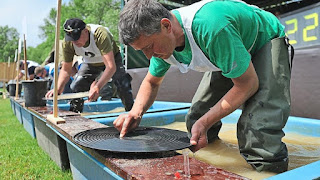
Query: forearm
[(63, 78), (244, 87), (105, 77), (110, 69), (20, 75), (226, 105), (145, 97)]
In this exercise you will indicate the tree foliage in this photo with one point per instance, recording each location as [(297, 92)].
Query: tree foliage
[(103, 12), (9, 43)]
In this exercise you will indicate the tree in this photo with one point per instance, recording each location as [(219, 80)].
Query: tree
[(9, 38), (103, 12)]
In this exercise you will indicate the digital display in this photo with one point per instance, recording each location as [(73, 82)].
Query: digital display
[(302, 27)]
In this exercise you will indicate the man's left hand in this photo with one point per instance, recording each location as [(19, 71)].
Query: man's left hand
[(199, 136)]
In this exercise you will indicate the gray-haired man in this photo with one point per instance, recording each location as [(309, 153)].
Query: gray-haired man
[(243, 51)]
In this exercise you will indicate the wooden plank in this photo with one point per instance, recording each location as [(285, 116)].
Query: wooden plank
[(55, 120), (70, 96), (45, 111)]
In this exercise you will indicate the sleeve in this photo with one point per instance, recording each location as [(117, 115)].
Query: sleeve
[(158, 67), (31, 70), (47, 68), (67, 52), (229, 53), (103, 40)]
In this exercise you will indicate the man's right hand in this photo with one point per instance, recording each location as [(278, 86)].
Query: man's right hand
[(49, 93), (126, 123), (64, 76)]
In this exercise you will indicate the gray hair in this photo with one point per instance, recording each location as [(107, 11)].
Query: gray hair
[(141, 17)]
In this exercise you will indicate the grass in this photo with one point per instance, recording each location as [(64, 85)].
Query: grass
[(20, 155)]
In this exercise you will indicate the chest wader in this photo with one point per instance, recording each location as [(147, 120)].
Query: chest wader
[(265, 114), (259, 129), (122, 80)]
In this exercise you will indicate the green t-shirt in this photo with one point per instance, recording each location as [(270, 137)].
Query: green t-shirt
[(225, 31), (103, 39)]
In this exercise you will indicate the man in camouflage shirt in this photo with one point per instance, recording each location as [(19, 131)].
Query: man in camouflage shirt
[(101, 62)]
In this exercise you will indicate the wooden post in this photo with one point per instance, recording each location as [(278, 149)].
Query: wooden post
[(55, 119), (4, 80), (25, 57), (4, 90), (18, 71)]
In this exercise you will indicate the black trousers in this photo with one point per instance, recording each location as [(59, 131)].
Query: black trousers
[(122, 80)]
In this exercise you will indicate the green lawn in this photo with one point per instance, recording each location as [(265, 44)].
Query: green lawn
[(20, 155)]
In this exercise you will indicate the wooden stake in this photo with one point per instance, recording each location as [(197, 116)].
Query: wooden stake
[(6, 78), (55, 119), (25, 56), (18, 72), (4, 82), (71, 96), (4, 90)]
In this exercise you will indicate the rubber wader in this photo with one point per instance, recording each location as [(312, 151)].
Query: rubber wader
[(259, 129)]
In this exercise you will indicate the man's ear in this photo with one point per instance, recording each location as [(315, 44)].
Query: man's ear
[(86, 31), (166, 24)]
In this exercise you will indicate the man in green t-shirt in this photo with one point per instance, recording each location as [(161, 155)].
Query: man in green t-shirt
[(101, 62), (244, 53)]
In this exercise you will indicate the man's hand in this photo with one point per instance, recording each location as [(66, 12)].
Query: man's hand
[(199, 137), (63, 78), (49, 93), (126, 122), (93, 92)]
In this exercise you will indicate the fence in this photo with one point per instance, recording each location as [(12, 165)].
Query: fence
[(7, 71)]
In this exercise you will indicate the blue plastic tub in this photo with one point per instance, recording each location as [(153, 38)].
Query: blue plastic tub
[(160, 113), (28, 122), (299, 125), (103, 106), (310, 171), (304, 126), (83, 165), (149, 119), (12, 103), (18, 107), (165, 112)]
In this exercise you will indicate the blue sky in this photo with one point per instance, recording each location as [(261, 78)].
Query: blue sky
[(15, 13)]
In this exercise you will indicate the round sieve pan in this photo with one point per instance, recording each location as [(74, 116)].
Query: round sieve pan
[(142, 139)]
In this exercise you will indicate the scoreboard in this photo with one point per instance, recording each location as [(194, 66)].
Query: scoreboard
[(302, 26)]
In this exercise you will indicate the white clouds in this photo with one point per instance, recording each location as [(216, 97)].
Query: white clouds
[(13, 13)]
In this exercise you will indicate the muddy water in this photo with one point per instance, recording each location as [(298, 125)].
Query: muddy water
[(224, 153)]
